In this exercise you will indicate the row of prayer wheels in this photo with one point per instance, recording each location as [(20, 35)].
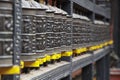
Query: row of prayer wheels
[(47, 30)]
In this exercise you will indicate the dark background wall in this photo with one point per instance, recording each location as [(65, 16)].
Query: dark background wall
[(115, 21)]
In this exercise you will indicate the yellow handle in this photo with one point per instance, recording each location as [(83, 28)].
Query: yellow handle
[(40, 61), (21, 64), (67, 53), (48, 58), (54, 56), (31, 63), (10, 70)]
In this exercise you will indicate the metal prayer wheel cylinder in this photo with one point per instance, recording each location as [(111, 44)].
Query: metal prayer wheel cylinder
[(76, 24), (49, 21), (90, 33), (107, 32), (28, 34), (40, 44), (69, 24), (94, 30), (69, 33), (56, 43), (63, 32), (57, 30), (99, 32), (96, 33), (86, 31), (49, 32), (81, 33), (40, 32), (6, 33)]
